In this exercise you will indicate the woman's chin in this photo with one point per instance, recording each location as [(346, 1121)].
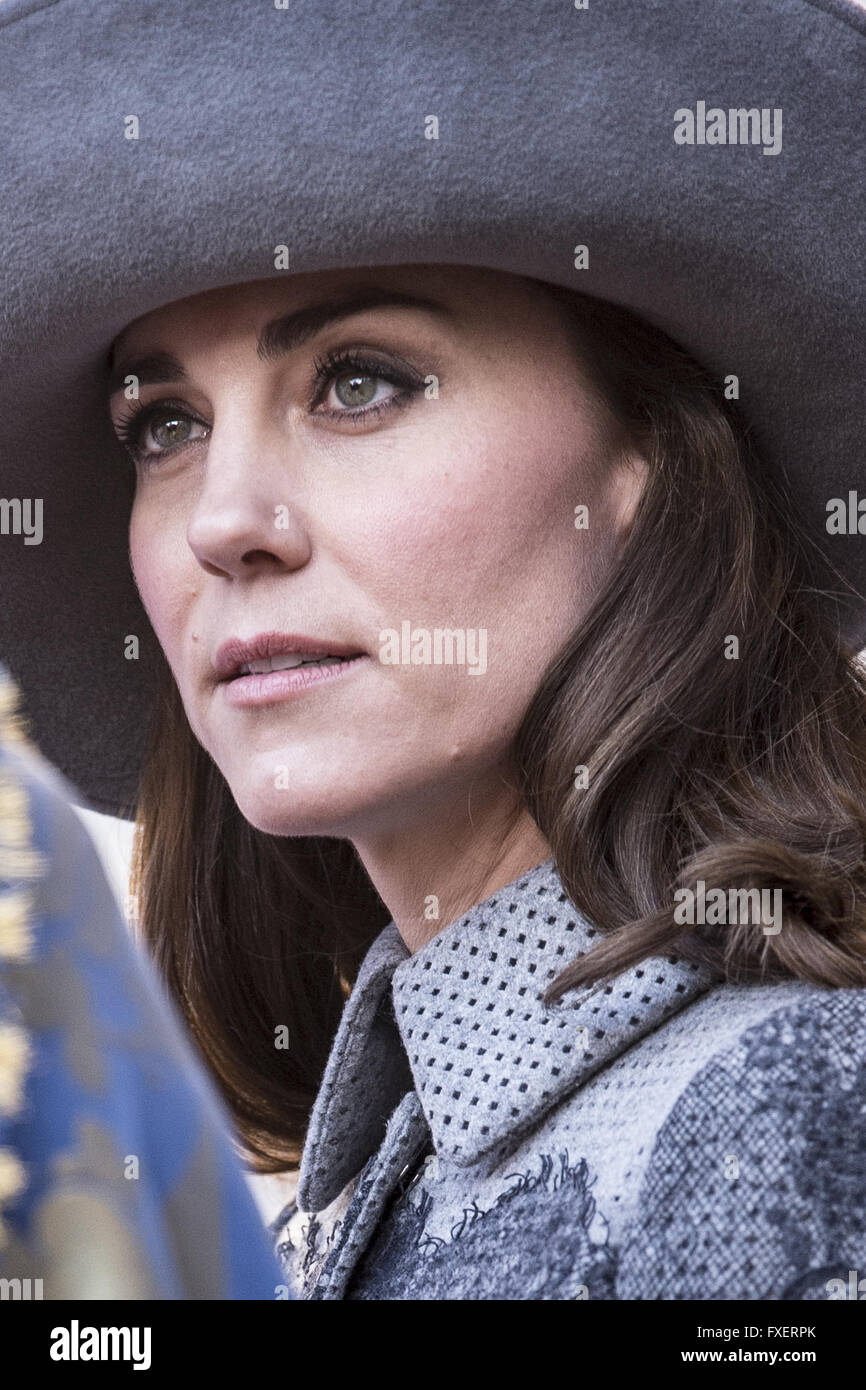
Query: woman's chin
[(327, 811)]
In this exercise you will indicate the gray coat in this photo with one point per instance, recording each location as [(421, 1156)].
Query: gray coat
[(662, 1136)]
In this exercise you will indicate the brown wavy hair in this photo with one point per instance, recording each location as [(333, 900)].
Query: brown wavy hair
[(746, 773)]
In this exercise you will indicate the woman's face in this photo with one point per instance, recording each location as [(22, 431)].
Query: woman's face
[(382, 467)]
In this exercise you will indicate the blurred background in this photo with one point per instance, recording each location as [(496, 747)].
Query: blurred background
[(113, 840)]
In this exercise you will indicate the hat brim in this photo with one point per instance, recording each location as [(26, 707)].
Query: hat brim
[(260, 127)]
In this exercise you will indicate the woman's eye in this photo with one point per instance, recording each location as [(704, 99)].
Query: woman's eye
[(354, 389), (154, 430), (167, 430), (348, 388)]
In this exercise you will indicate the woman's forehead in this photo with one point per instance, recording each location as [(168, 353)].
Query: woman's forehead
[(458, 291)]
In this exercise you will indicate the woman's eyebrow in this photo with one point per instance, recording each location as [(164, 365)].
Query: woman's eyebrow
[(283, 334), (280, 335), (156, 367)]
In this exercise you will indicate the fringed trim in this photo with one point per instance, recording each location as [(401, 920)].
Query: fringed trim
[(12, 722), (16, 932), (13, 1180), (18, 860), (14, 1060)]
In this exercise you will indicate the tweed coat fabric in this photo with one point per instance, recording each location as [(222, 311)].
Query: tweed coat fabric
[(662, 1136)]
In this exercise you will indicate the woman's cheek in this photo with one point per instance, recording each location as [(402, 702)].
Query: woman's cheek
[(165, 586)]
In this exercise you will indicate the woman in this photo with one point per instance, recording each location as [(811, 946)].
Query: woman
[(505, 679)]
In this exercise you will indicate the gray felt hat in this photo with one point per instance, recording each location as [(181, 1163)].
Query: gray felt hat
[(710, 158)]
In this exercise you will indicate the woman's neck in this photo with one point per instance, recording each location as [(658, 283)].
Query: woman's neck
[(429, 874)]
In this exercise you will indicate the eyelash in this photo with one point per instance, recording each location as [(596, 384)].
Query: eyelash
[(130, 427)]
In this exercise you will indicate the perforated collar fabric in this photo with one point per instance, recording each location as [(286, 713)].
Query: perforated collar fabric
[(462, 1020)]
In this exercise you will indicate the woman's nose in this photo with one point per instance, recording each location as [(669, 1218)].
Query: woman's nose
[(248, 512)]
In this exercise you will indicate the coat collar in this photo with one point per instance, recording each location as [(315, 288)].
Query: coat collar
[(463, 1022)]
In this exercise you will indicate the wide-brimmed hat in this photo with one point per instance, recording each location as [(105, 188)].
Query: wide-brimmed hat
[(702, 165)]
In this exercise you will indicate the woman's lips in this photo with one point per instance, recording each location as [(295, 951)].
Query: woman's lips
[(270, 687)]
